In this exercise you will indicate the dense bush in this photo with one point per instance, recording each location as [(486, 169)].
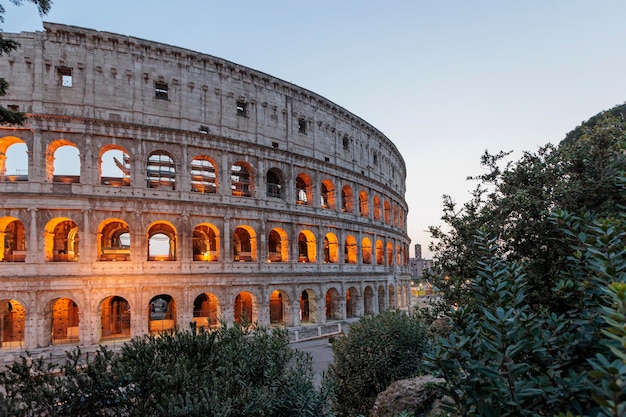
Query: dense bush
[(230, 372), (378, 350)]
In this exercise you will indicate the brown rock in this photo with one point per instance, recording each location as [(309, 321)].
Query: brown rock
[(418, 396)]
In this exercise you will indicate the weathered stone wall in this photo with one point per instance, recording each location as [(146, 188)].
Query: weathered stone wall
[(112, 103)]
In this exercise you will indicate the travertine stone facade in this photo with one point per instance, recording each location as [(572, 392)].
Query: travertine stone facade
[(232, 195)]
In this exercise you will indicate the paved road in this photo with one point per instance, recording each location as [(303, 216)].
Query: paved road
[(321, 353)]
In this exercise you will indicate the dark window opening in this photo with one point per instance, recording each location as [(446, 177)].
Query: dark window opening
[(375, 159), (203, 129), (302, 126), (161, 91), (346, 143), (275, 145), (65, 76), (242, 109)]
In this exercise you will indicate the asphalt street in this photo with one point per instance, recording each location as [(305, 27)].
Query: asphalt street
[(320, 351)]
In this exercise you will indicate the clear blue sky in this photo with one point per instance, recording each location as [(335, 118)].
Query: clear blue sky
[(444, 80)]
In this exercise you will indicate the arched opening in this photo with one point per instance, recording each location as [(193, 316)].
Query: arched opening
[(274, 183), (203, 175), (347, 199), (241, 179), (306, 246), (277, 246), (308, 307), (13, 236), (352, 300), (349, 251), (162, 313), (161, 171), (61, 243), (205, 243), (381, 298), (161, 242), (380, 253), (331, 248), (65, 162), (114, 243), (13, 159), (244, 308), (368, 300), (114, 166), (333, 305), (304, 189), (395, 215), (114, 319), (377, 209), (279, 308), (327, 194), (366, 250), (392, 296), (206, 311), (64, 322), (364, 208), (12, 322), (389, 253), (244, 244), (387, 212), (399, 254)]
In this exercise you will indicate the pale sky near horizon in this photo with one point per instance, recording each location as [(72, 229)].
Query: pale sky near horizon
[(444, 80)]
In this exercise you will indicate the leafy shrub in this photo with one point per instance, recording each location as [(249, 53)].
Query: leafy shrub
[(378, 350), (229, 372)]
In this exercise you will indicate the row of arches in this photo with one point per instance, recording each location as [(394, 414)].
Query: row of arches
[(118, 319), (115, 169), (114, 243)]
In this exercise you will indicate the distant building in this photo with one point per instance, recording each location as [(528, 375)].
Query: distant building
[(418, 264)]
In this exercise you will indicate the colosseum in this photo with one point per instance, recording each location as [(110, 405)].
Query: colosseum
[(152, 186)]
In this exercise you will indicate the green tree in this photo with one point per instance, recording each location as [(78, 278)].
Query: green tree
[(8, 45), (378, 350), (513, 203)]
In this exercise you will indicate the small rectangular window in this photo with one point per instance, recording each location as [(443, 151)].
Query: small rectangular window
[(375, 159), (65, 76), (275, 145), (242, 109), (346, 143), (161, 91), (302, 126)]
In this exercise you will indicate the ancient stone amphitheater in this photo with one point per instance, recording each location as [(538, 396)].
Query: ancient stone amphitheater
[(152, 186)]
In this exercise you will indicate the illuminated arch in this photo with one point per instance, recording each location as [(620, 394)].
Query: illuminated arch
[(204, 177), (387, 212), (115, 319), (352, 303), (61, 317), (279, 308), (113, 240), (13, 159), (350, 250), (364, 208), (327, 195), (396, 218), (380, 253), (331, 248), (206, 243), (308, 306), (12, 240), (366, 250), (244, 244), (114, 166), (61, 242), (162, 314), (206, 311), (63, 162), (246, 308), (277, 246), (161, 171), (161, 241), (389, 253), (377, 208), (307, 248), (13, 320)]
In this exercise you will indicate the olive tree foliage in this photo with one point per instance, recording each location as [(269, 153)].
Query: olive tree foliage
[(233, 371), (8, 45), (513, 201), (378, 350)]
